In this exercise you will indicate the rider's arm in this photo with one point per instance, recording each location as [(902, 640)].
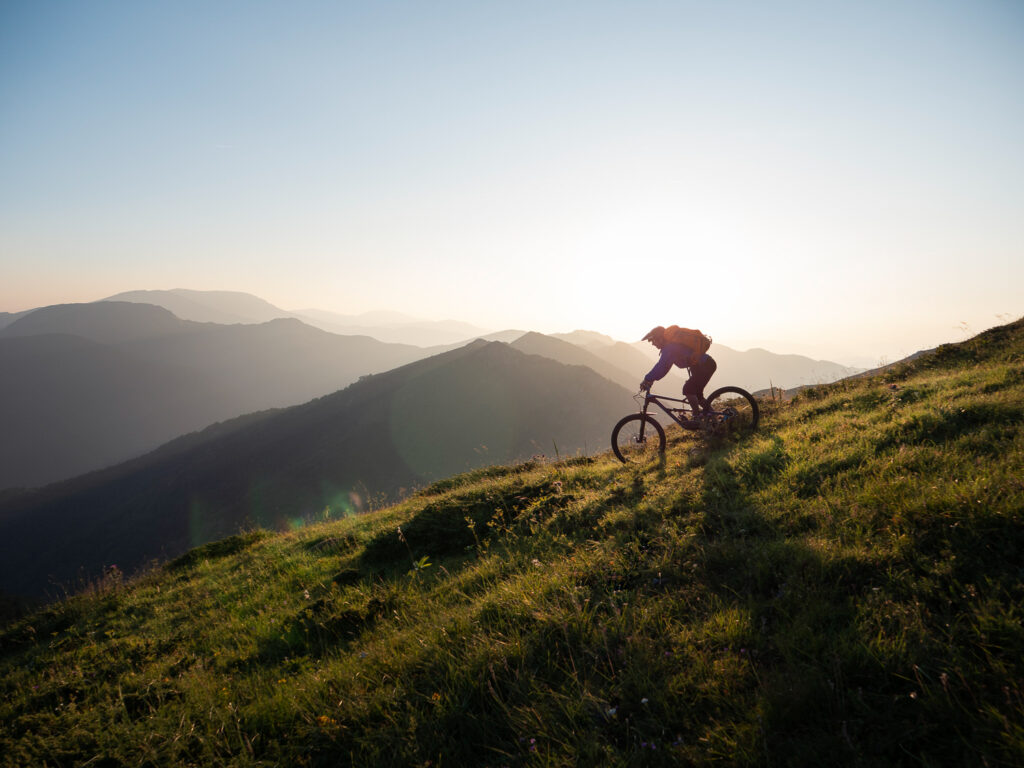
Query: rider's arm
[(663, 366), (671, 354)]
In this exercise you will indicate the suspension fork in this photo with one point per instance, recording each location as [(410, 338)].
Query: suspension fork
[(647, 403), (643, 412)]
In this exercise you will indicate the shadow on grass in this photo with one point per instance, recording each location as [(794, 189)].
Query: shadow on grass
[(828, 681)]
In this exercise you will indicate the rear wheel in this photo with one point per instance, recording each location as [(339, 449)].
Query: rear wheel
[(638, 438), (731, 411)]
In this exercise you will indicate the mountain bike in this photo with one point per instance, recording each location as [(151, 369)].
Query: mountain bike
[(639, 437)]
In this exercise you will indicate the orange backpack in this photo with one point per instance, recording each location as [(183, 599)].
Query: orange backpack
[(695, 340)]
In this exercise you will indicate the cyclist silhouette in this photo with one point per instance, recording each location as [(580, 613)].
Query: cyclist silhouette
[(701, 367)]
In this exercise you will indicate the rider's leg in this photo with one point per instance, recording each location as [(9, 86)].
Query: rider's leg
[(693, 395), (700, 375)]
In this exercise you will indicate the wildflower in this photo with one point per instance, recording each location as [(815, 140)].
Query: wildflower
[(612, 711), (643, 700), (435, 696)]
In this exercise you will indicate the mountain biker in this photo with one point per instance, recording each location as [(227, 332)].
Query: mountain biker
[(701, 368)]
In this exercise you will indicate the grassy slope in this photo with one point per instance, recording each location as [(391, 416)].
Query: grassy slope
[(844, 588)]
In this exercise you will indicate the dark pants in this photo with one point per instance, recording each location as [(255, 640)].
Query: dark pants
[(700, 375)]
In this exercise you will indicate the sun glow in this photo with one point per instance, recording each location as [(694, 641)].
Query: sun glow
[(833, 178)]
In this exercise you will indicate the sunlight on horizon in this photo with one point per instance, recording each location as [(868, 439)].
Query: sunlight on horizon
[(844, 181)]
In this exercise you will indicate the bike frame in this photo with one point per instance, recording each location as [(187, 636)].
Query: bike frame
[(660, 400)]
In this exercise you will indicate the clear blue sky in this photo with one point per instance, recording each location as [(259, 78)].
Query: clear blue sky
[(839, 178)]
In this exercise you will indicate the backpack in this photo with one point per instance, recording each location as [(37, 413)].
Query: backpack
[(695, 340)]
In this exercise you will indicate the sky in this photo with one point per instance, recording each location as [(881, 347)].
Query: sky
[(840, 179)]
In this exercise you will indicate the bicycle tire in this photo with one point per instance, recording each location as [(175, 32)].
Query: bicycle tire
[(735, 410), (633, 443)]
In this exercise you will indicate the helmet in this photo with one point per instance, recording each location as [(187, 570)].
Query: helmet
[(656, 334)]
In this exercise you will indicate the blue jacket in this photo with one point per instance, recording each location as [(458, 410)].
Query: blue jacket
[(672, 353)]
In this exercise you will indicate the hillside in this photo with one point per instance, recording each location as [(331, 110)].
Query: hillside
[(84, 386), (842, 589), (377, 439)]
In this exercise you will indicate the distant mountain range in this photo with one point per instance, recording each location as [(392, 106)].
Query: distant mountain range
[(754, 369), (235, 307), (482, 404), (225, 307), (83, 386), (127, 376)]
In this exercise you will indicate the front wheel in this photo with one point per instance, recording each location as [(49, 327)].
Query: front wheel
[(637, 439), (732, 411)]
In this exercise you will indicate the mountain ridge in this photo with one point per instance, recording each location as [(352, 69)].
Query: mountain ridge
[(242, 367), (232, 307), (380, 437), (124, 407), (102, 322), (225, 307)]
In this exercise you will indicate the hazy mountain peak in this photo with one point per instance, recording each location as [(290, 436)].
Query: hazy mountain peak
[(105, 322), (574, 354), (535, 336), (207, 306), (585, 338)]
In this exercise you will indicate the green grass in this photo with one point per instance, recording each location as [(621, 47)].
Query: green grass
[(846, 587)]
